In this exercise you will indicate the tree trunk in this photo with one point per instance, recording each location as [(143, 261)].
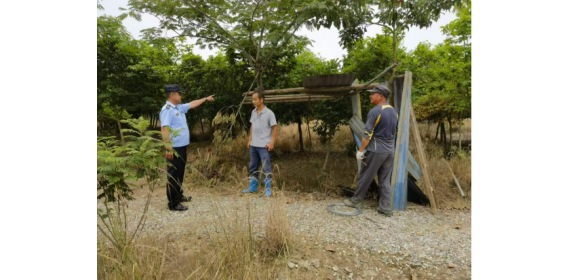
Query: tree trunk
[(309, 133), (202, 125), (450, 133), (460, 121), (120, 132), (442, 135), (395, 60), (428, 132), (299, 124), (259, 80), (437, 132)]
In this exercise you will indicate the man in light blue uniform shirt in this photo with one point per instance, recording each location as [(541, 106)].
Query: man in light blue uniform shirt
[(173, 118)]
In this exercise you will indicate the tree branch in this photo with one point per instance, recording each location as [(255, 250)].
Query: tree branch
[(251, 25), (237, 44)]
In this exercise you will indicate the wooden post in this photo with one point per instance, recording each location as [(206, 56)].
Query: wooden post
[(356, 110), (455, 179), (423, 160)]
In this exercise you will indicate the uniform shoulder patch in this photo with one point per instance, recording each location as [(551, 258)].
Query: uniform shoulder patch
[(177, 114), (167, 106)]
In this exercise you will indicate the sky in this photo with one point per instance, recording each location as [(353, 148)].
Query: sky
[(326, 41)]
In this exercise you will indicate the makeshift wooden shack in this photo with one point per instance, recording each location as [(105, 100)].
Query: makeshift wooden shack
[(406, 170)]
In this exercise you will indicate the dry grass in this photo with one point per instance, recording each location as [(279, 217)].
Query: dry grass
[(447, 194), (429, 132), (279, 236), (296, 171), (230, 250)]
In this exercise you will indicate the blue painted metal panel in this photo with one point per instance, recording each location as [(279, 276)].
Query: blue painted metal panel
[(400, 172), (413, 167)]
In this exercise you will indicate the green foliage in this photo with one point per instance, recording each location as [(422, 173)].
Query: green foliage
[(329, 113), (256, 30), (370, 56), (258, 38), (459, 30), (129, 69), (112, 171), (119, 167), (396, 17), (294, 69), (442, 73)]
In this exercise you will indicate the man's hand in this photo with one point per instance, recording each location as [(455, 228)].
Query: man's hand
[(359, 155), (169, 154), (248, 143), (210, 98), (270, 146)]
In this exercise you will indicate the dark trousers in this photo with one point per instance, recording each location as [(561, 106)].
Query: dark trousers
[(176, 176), (376, 164)]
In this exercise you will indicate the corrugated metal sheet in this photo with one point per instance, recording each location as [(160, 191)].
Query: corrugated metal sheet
[(329, 80), (400, 172), (397, 92)]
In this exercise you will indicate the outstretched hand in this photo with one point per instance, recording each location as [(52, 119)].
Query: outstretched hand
[(210, 98)]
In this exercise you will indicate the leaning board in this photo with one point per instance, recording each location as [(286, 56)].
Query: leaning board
[(400, 171)]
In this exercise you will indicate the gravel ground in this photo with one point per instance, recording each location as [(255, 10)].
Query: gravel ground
[(413, 241)]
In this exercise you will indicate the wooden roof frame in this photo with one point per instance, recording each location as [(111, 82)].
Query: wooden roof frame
[(314, 93)]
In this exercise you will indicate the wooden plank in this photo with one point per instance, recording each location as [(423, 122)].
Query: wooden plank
[(399, 171), (357, 112), (455, 179), (378, 76), (296, 99), (423, 160), (341, 89), (355, 101), (295, 96)]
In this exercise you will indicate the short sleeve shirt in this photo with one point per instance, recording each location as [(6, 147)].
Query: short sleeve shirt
[(262, 124), (380, 128), (175, 118)]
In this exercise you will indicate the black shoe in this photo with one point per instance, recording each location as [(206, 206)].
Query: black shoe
[(385, 213), (178, 207), (186, 198)]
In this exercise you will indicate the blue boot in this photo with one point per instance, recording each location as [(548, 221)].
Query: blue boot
[(267, 186), (252, 185)]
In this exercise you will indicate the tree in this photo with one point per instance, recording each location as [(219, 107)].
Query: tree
[(254, 29), (217, 75), (304, 65), (367, 58), (131, 74), (442, 75), (396, 17)]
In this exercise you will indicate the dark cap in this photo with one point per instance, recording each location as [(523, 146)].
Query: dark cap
[(173, 88), (381, 90)]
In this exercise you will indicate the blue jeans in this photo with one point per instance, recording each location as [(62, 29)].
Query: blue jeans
[(259, 156)]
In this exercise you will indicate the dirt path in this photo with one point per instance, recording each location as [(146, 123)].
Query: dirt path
[(370, 245)]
